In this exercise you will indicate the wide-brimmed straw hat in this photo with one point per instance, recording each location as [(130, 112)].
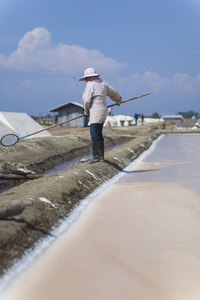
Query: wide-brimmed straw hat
[(89, 72)]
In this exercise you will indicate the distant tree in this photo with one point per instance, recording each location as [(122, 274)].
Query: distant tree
[(155, 115), (188, 115), (47, 120), (34, 117), (48, 116)]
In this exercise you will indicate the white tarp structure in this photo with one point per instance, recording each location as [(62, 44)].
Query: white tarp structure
[(20, 124), (196, 125), (4, 129), (118, 120), (122, 120)]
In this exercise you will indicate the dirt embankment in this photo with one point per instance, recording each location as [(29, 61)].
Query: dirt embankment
[(52, 197)]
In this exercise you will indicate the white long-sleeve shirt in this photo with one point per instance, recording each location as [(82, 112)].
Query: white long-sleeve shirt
[(94, 100)]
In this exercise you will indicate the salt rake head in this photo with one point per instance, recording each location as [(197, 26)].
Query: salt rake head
[(9, 140)]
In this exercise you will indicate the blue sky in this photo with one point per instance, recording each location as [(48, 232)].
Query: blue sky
[(137, 46)]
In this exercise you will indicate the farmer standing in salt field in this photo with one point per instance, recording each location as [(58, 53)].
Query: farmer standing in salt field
[(94, 103)]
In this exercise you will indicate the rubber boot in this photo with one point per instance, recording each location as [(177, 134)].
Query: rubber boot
[(95, 152), (102, 151)]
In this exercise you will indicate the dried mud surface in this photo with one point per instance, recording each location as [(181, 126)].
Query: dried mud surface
[(64, 189)]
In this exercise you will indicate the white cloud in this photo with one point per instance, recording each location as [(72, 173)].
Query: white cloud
[(186, 83), (148, 81), (36, 52), (181, 83), (25, 84), (154, 81)]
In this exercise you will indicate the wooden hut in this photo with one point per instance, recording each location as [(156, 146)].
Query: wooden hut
[(68, 111)]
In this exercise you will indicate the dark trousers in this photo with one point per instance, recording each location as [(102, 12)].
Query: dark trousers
[(96, 132)]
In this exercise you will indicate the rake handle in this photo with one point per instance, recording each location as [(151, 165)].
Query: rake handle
[(129, 99), (54, 126), (84, 115)]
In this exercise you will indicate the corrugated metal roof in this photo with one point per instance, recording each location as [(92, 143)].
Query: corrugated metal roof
[(65, 104)]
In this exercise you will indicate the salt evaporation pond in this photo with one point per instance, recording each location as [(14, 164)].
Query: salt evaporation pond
[(174, 158), (179, 159)]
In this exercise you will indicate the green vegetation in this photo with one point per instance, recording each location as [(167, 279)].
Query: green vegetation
[(189, 114), (47, 120), (155, 115)]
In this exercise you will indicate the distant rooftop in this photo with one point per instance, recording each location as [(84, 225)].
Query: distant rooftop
[(65, 104), (172, 117)]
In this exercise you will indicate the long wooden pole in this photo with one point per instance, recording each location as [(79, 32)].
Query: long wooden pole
[(130, 99), (22, 137), (84, 115)]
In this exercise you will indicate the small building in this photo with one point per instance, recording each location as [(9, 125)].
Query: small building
[(68, 111), (172, 117)]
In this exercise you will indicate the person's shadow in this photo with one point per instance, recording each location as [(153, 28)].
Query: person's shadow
[(118, 168)]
